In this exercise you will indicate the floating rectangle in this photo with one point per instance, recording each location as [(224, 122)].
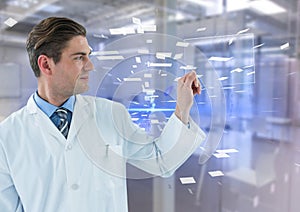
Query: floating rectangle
[(216, 173), (187, 180), (149, 28), (178, 56), (154, 121), (136, 20), (10, 22), (226, 151), (149, 41), (138, 60), (110, 57), (143, 51), (147, 75), (182, 44), (163, 55), (188, 67), (160, 64), (221, 155), (285, 46), (132, 79), (140, 30), (122, 31), (220, 59), (147, 84), (105, 53)]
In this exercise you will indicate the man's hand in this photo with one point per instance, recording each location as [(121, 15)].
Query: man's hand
[(187, 87)]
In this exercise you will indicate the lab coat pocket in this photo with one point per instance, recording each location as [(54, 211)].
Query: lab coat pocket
[(113, 162), (102, 180), (103, 186), (110, 190)]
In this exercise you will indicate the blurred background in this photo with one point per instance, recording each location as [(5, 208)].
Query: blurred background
[(253, 47)]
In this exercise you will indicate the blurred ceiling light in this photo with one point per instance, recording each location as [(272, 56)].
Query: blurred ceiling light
[(50, 8), (22, 3), (266, 7), (178, 17), (234, 5), (205, 3)]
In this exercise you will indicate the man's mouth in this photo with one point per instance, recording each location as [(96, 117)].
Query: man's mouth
[(84, 77)]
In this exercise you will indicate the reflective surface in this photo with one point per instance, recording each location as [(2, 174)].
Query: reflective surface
[(257, 163), (262, 175)]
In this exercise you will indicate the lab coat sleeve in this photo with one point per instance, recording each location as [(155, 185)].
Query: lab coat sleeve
[(163, 155), (9, 199)]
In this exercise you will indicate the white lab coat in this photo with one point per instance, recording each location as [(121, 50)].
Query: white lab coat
[(41, 171)]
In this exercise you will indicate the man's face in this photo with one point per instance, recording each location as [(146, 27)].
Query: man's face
[(71, 73)]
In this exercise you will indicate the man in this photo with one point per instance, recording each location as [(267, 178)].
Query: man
[(66, 152)]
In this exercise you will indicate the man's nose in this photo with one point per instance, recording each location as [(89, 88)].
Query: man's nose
[(89, 66)]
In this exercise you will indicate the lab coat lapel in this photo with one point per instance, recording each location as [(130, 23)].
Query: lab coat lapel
[(40, 119), (81, 114)]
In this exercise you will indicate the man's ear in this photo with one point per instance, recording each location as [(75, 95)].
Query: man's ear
[(44, 64)]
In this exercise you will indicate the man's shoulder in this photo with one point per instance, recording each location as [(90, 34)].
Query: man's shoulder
[(98, 101), (10, 127), (14, 117), (109, 107)]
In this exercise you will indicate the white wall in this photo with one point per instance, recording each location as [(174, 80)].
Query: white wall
[(18, 56)]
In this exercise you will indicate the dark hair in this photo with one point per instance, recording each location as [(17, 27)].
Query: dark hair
[(50, 37)]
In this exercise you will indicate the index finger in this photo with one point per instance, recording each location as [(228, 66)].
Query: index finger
[(191, 78)]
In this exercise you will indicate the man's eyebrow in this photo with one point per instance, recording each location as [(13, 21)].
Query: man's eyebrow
[(81, 53)]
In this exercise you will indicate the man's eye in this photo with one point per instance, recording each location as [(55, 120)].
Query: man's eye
[(79, 58)]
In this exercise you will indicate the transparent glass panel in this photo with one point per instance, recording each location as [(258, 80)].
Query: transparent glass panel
[(246, 56)]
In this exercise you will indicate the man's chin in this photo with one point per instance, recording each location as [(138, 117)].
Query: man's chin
[(80, 90)]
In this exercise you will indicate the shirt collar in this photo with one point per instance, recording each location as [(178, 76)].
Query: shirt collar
[(48, 108)]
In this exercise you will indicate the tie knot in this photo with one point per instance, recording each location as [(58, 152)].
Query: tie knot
[(62, 113), (60, 119)]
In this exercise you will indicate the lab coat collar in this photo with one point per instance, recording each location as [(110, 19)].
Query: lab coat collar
[(82, 111), (41, 119), (31, 105)]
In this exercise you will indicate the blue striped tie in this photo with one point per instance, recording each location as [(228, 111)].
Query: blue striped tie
[(63, 125)]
